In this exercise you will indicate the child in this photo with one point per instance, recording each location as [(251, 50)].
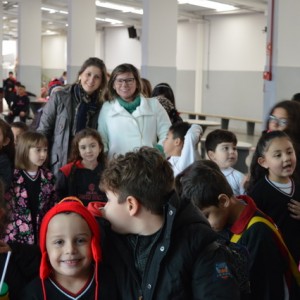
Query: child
[(160, 247), (271, 272), (20, 106), (32, 192), (285, 116), (17, 129), (180, 145), (81, 176), (24, 261), (71, 256), (220, 146), (7, 153), (272, 187)]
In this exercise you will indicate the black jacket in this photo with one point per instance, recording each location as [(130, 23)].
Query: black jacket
[(179, 266)]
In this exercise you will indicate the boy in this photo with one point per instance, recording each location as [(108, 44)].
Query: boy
[(220, 146), (71, 254), (180, 145), (270, 275), (20, 106), (159, 247)]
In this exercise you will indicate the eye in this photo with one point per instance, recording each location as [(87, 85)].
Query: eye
[(81, 241), (58, 243)]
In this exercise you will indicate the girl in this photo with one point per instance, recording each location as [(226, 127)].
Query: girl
[(285, 116), (32, 192), (273, 188), (7, 153), (81, 176)]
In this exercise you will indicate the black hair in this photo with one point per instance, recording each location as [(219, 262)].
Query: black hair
[(202, 183), (179, 130), (218, 136), (164, 89), (256, 170)]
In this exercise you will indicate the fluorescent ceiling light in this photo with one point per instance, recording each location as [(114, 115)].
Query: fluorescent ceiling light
[(123, 8), (209, 4), (108, 20), (53, 11)]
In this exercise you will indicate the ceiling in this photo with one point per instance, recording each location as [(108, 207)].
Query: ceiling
[(55, 22)]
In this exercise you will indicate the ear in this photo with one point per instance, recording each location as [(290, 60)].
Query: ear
[(262, 162), (6, 142), (133, 205), (177, 142), (224, 200), (211, 155)]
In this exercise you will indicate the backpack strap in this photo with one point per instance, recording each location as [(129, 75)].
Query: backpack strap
[(294, 269)]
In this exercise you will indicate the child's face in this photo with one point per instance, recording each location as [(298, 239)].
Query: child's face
[(37, 156), (68, 244), (116, 213), (278, 119), (279, 159), (225, 155), (216, 216), (89, 149), (170, 144)]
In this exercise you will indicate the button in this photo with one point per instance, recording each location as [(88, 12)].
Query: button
[(162, 248), (170, 212), (149, 286)]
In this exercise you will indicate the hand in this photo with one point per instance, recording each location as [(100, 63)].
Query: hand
[(294, 208), (4, 248), (22, 114)]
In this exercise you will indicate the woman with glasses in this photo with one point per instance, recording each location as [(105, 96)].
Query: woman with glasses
[(128, 120)]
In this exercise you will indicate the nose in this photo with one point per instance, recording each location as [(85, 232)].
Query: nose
[(70, 247)]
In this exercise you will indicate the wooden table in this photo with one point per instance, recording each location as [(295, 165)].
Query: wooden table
[(204, 123)]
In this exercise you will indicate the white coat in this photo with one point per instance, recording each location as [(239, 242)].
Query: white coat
[(122, 132)]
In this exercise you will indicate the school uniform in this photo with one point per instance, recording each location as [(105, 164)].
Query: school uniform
[(74, 179), (274, 202), (54, 291), (268, 263)]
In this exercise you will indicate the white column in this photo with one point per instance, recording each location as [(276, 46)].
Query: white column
[(29, 45), (159, 39), (283, 40), (81, 35)]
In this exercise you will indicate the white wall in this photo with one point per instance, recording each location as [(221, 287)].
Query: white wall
[(234, 60), (220, 62), (119, 48), (237, 43)]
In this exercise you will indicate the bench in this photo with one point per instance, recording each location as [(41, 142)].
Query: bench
[(224, 120)]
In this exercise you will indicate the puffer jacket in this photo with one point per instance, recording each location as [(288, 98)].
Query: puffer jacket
[(179, 266), (57, 122)]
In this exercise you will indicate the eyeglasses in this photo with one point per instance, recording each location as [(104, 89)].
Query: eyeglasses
[(128, 81), (280, 122)]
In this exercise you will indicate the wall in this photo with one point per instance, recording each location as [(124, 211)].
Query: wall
[(233, 65), (54, 56), (220, 62)]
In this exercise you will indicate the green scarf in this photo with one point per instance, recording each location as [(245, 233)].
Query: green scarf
[(130, 106)]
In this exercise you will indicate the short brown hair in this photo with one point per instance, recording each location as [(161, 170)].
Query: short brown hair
[(124, 68), (143, 174), (26, 141)]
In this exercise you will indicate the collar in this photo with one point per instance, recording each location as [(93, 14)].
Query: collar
[(250, 209)]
